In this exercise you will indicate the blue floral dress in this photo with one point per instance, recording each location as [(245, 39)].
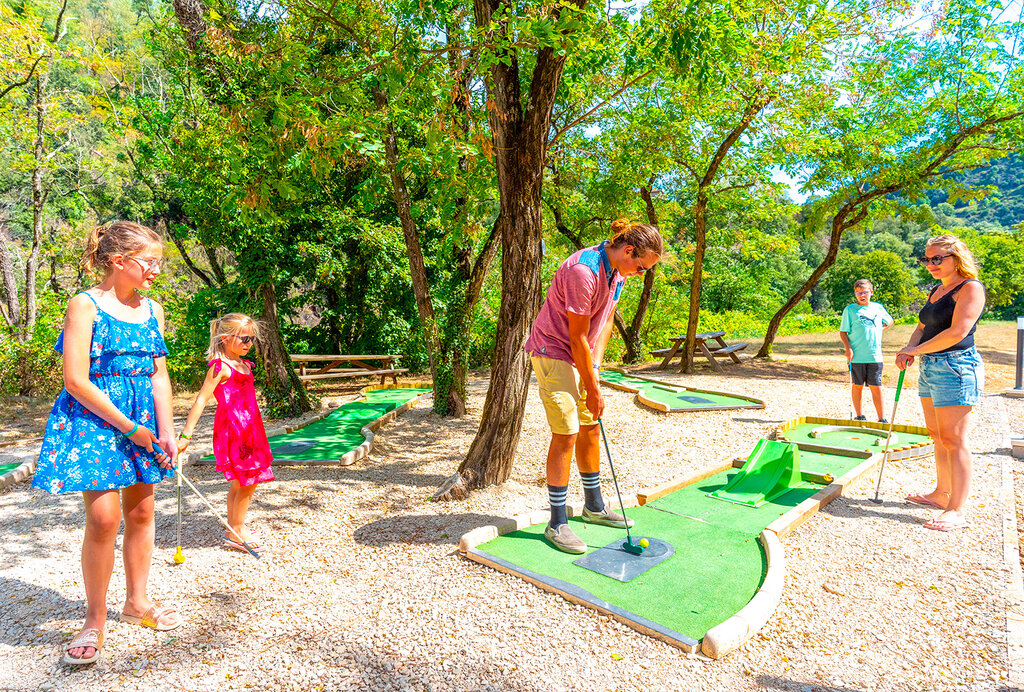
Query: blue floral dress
[(81, 451)]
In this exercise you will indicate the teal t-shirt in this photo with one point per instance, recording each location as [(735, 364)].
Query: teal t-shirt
[(863, 326)]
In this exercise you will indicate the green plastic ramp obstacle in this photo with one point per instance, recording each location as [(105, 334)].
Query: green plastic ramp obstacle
[(772, 470)]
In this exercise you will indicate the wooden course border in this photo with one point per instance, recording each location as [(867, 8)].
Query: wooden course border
[(729, 635), (664, 408), (350, 457)]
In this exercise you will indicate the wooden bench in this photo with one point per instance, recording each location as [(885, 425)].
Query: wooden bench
[(325, 367), (702, 347)]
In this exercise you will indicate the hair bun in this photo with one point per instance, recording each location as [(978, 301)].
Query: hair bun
[(620, 226)]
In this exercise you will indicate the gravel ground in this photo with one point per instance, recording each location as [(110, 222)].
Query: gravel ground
[(362, 587)]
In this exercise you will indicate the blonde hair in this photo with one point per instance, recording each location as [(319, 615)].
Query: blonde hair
[(966, 265), (231, 323), (642, 236), (116, 238)]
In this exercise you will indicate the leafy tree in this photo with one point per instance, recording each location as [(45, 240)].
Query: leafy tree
[(918, 108)]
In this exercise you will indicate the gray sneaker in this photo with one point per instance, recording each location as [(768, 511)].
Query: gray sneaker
[(606, 517), (565, 539)]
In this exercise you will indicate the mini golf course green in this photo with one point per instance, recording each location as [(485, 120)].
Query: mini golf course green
[(344, 435), (725, 576), (673, 398)]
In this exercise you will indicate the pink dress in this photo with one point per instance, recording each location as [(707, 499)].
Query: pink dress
[(239, 440)]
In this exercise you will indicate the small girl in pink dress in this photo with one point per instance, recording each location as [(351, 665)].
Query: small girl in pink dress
[(239, 440)]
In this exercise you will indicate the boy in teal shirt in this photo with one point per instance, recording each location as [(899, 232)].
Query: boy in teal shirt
[(861, 332)]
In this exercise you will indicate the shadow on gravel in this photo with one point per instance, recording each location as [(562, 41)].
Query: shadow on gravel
[(758, 420), (889, 509), (783, 684), (440, 529), (30, 605)]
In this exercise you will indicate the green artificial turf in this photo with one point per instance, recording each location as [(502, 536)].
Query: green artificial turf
[(715, 570), (654, 392), (718, 564), (848, 439), (340, 432)]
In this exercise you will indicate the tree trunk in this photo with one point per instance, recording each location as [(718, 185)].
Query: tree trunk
[(403, 207), (520, 137), (840, 223), (284, 393), (700, 231), (631, 332), (12, 311), (196, 271), (39, 195)]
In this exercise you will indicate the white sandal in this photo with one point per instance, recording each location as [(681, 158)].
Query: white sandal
[(88, 637)]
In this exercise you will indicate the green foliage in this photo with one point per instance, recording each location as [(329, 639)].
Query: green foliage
[(34, 367), (895, 285)]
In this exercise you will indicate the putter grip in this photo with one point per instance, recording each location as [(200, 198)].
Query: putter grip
[(899, 384)]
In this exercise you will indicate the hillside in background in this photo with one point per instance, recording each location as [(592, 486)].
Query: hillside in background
[(1003, 207)]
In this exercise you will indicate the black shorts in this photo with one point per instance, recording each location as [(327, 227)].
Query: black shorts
[(867, 373)]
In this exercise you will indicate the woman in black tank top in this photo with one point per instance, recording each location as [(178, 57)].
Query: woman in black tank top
[(951, 373)]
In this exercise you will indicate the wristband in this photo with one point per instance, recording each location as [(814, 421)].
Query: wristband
[(183, 436), (132, 431)]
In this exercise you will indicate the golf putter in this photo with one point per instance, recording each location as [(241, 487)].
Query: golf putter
[(629, 546), (206, 502), (885, 452), (178, 557), (849, 366)]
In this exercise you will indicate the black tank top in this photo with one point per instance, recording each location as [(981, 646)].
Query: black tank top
[(938, 317)]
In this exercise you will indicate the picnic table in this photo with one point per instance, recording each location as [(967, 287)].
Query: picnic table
[(329, 366), (716, 348)]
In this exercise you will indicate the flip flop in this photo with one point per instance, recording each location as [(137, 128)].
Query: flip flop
[(88, 637), (919, 499), (151, 618), (943, 525), (234, 545)]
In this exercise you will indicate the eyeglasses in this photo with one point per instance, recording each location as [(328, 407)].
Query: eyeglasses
[(152, 265), (862, 293), (640, 269), (936, 260)]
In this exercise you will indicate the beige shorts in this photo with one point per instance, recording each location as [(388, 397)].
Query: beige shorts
[(565, 401)]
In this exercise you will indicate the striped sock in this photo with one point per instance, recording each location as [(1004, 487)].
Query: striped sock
[(556, 496), (592, 491)]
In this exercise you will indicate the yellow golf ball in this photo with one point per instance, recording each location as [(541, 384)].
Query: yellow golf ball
[(179, 558), (644, 543)]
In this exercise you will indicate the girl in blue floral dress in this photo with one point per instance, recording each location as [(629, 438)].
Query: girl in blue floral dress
[(116, 405)]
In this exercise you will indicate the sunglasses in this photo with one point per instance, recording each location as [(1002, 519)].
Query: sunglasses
[(936, 260), (862, 293), (640, 269), (150, 266), (245, 339)]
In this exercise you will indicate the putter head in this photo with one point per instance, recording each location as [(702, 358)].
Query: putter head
[(876, 500), (630, 547)]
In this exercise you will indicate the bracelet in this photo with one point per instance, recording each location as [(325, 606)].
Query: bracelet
[(183, 436), (132, 431)]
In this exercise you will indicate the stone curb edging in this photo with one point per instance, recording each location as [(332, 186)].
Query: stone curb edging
[(352, 456), (16, 475), (1014, 578), (731, 634)]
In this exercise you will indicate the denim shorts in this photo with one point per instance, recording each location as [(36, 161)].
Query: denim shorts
[(954, 378)]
